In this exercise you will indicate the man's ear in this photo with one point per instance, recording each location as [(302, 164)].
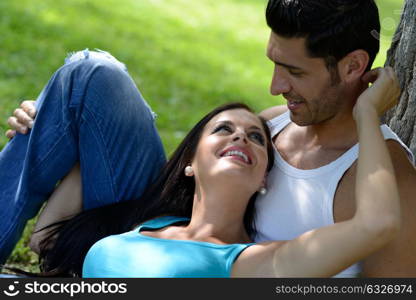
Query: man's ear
[(353, 65)]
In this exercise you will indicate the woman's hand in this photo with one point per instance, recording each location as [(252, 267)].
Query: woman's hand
[(22, 119), (382, 95)]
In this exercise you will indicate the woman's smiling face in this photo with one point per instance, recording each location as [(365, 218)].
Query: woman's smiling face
[(233, 146)]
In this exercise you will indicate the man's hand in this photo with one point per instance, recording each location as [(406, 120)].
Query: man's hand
[(22, 119)]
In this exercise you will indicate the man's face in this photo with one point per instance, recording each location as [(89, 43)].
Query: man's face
[(305, 82)]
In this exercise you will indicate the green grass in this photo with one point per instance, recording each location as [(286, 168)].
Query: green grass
[(186, 56)]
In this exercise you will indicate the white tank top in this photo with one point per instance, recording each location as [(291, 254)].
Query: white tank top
[(301, 200)]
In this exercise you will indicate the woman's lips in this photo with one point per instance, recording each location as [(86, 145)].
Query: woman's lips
[(238, 154)]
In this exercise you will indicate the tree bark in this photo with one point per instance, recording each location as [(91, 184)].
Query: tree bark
[(402, 57)]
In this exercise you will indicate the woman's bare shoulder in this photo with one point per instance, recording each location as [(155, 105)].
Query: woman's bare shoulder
[(256, 260)]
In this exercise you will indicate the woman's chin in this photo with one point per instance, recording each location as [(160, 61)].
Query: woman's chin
[(234, 175)]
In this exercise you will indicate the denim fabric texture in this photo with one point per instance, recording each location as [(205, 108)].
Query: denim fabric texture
[(90, 112)]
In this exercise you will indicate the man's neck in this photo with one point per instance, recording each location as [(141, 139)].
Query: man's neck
[(340, 131), (313, 146), (337, 133)]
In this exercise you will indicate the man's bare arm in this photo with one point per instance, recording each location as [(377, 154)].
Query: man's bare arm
[(398, 258)]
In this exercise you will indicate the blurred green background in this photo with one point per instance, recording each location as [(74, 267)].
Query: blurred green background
[(186, 56)]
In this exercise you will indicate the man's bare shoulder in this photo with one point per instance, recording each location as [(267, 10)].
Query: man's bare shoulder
[(399, 156), (397, 259), (273, 112)]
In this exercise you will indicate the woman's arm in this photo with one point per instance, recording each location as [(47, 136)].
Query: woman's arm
[(66, 200), (328, 250), (64, 203)]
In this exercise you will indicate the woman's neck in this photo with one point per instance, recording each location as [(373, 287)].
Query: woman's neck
[(219, 214)]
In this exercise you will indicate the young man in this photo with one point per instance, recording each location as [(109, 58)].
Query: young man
[(322, 50)]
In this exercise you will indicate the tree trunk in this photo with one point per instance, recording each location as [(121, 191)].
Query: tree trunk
[(402, 57)]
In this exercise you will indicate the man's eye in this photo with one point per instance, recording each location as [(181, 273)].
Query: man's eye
[(296, 74), (222, 128), (258, 138)]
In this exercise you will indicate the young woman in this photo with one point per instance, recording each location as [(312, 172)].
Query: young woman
[(205, 194)]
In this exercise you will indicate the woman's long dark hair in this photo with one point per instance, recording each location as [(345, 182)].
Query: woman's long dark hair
[(172, 193)]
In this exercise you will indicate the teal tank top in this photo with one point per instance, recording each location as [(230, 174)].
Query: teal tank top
[(132, 254)]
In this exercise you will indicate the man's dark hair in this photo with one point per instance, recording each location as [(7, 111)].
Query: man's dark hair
[(332, 28)]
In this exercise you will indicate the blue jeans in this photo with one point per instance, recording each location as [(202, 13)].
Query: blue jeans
[(90, 112)]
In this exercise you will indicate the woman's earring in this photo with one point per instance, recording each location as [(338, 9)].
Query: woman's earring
[(263, 191), (189, 171)]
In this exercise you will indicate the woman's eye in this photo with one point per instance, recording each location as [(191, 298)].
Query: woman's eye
[(222, 128), (257, 137)]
